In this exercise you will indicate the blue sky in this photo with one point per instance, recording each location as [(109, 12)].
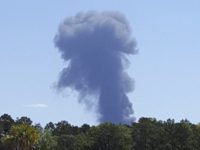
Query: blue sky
[(166, 70)]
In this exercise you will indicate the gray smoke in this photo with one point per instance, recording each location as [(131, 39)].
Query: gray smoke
[(95, 45)]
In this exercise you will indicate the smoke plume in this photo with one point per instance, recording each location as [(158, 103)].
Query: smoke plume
[(95, 45)]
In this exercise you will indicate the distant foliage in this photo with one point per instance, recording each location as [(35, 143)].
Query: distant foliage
[(146, 134)]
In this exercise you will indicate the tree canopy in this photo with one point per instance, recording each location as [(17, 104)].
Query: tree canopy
[(146, 134)]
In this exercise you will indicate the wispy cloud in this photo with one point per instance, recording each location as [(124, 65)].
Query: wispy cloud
[(39, 105)]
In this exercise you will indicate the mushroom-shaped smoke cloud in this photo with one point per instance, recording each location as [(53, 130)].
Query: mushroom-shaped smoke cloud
[(95, 45)]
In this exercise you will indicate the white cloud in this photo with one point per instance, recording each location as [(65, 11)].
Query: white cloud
[(39, 105)]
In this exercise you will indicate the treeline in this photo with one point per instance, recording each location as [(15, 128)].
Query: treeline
[(146, 134)]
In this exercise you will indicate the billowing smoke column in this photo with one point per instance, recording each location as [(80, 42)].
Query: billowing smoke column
[(95, 45)]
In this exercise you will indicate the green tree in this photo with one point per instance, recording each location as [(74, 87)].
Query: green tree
[(6, 122), (50, 126), (85, 128), (196, 139), (83, 141), (21, 137), (108, 136), (184, 135), (148, 134), (24, 120), (46, 141), (62, 127), (66, 142)]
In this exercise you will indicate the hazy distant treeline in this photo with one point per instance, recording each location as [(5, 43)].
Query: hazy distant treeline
[(146, 134)]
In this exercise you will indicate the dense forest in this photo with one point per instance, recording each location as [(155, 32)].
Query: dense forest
[(146, 134)]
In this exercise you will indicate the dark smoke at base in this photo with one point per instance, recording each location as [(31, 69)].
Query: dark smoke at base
[(95, 45)]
